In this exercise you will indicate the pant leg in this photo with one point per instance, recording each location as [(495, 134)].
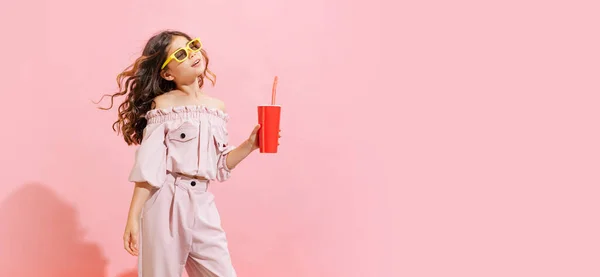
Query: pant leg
[(209, 255), (163, 249)]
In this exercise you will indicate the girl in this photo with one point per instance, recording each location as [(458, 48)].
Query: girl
[(183, 146)]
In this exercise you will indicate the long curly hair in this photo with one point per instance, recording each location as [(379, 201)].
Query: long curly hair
[(141, 82)]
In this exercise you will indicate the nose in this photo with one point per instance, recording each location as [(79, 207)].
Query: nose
[(193, 54)]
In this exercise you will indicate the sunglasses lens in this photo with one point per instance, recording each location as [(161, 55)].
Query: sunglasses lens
[(180, 54), (195, 45)]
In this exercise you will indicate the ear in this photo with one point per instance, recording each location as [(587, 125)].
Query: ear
[(166, 75)]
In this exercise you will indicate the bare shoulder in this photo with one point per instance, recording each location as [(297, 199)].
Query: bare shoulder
[(219, 104), (163, 101)]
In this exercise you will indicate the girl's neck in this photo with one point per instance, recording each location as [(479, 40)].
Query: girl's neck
[(192, 90)]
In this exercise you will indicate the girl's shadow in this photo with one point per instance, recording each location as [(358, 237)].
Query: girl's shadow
[(40, 236)]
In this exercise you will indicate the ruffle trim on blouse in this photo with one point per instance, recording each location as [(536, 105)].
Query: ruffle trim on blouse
[(194, 111)]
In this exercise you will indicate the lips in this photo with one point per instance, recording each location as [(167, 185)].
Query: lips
[(196, 63)]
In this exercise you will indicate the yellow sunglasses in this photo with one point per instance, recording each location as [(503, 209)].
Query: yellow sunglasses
[(183, 53)]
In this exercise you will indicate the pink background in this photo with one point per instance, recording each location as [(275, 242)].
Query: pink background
[(444, 138)]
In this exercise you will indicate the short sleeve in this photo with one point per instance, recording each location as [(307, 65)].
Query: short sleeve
[(151, 157), (223, 172)]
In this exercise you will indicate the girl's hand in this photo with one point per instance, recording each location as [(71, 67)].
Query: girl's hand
[(131, 236), (253, 139)]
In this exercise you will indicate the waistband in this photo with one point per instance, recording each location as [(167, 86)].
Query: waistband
[(188, 183)]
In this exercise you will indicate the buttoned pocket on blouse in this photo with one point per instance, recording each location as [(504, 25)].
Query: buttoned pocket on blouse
[(182, 144), (221, 137), (186, 132)]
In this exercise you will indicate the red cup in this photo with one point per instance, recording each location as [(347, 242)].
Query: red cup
[(268, 134)]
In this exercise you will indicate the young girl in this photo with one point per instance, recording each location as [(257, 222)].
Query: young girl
[(183, 146)]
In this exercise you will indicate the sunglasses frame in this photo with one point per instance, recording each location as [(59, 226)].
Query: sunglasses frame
[(187, 50)]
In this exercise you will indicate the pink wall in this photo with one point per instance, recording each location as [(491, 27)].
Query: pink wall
[(437, 139)]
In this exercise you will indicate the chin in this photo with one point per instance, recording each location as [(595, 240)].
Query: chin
[(199, 70)]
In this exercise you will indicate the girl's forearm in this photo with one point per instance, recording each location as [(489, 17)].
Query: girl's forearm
[(141, 193), (239, 154)]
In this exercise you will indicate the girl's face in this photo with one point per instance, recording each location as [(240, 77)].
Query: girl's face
[(185, 61)]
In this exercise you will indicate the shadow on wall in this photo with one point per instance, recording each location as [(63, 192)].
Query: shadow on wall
[(132, 273), (40, 236)]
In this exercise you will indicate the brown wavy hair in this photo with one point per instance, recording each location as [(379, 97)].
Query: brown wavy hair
[(141, 82)]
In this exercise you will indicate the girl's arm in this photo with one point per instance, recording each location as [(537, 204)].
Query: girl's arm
[(243, 150), (238, 154), (141, 193)]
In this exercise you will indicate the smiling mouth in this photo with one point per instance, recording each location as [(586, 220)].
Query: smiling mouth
[(197, 62)]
